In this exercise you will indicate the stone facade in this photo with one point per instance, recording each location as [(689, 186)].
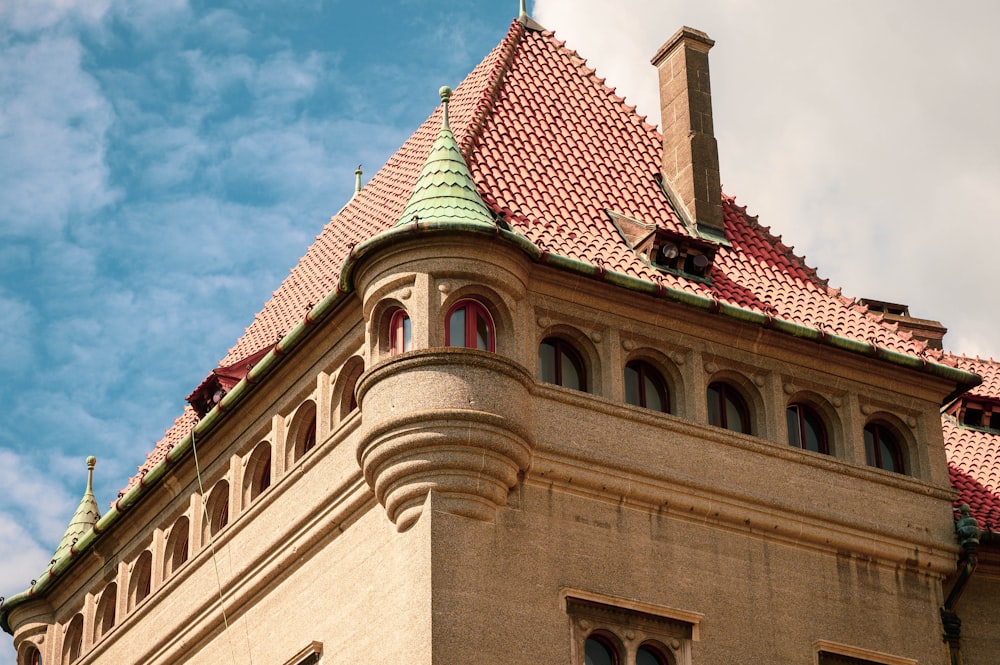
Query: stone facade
[(375, 493), (510, 504)]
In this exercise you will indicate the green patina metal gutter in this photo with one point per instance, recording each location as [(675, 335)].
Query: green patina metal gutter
[(293, 339)]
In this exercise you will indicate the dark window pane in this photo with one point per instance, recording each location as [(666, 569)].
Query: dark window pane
[(654, 392), (734, 418), (714, 406), (647, 656), (482, 332), (632, 390), (407, 334), (888, 456), (598, 653), (456, 328), (547, 362), (882, 450), (794, 430), (570, 373), (727, 409), (815, 434), (870, 454)]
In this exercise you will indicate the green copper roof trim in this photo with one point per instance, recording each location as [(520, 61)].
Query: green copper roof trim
[(85, 517), (445, 190), (963, 379)]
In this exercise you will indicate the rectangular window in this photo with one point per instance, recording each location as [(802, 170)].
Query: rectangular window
[(831, 653)]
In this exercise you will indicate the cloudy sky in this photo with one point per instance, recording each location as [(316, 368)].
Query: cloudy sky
[(163, 164)]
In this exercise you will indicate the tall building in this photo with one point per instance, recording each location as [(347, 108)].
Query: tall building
[(540, 393)]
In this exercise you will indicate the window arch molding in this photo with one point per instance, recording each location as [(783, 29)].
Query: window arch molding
[(300, 435), (140, 579), (105, 617), (749, 393), (72, 647), (29, 654), (602, 647), (343, 393), (827, 413), (257, 475), (888, 424), (494, 305), (383, 316), (673, 378), (178, 548), (656, 653), (218, 511), (584, 347)]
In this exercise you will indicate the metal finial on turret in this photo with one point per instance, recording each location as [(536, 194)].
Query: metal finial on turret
[(524, 10), (91, 463), (357, 179), (445, 93)]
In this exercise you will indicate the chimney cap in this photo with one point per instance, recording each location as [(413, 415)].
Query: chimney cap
[(696, 38)]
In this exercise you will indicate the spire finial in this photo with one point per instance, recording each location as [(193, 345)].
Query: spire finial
[(91, 463), (524, 10), (445, 93), (357, 179)]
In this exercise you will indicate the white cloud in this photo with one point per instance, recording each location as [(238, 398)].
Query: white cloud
[(53, 121), (867, 141), (33, 15)]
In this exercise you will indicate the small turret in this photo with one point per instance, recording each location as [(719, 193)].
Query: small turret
[(85, 517), (445, 191)]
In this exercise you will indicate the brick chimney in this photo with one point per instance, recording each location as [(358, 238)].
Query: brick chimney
[(690, 154)]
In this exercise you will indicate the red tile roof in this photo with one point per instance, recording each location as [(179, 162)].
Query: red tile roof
[(973, 453), (551, 148)]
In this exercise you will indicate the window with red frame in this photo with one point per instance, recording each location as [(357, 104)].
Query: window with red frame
[(806, 429), (561, 364), (400, 333), (644, 386), (470, 325), (727, 408), (882, 449)]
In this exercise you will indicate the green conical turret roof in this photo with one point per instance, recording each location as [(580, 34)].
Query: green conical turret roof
[(445, 191), (85, 517)]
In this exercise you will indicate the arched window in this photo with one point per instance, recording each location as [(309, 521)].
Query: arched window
[(561, 364), (258, 474), (644, 386), (30, 655), (351, 372), (302, 432), (104, 621), (177, 546), (727, 408), (471, 326), (218, 508), (651, 654), (400, 332), (599, 650), (882, 449), (73, 643), (140, 582), (806, 429)]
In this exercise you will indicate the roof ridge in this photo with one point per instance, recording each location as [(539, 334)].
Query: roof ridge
[(473, 131)]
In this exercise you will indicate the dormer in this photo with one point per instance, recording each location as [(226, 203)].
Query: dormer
[(977, 412), (667, 250)]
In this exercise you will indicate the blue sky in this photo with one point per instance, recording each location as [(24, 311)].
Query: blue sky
[(164, 163)]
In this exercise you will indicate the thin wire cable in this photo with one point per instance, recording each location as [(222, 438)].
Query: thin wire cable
[(211, 546)]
